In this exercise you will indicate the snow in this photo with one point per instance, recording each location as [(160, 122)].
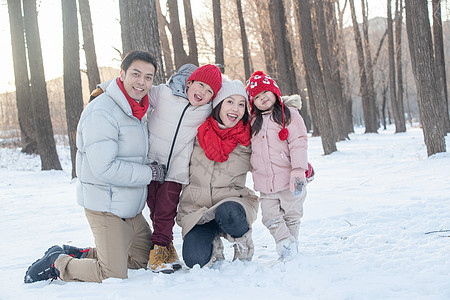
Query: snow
[(376, 226)]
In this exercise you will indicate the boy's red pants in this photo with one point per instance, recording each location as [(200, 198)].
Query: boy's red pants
[(162, 200)]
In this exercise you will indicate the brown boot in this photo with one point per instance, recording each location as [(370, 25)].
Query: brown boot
[(173, 258), (158, 258)]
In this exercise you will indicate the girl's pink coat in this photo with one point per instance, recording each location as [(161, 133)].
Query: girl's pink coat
[(276, 163)]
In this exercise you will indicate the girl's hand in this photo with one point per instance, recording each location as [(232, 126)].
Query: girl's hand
[(299, 187)]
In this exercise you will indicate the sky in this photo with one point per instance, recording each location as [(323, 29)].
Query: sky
[(376, 225), (105, 19)]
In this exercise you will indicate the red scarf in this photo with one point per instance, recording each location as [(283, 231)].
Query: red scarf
[(138, 108), (219, 143)]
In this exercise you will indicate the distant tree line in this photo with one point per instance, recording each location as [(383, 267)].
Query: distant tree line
[(302, 43)]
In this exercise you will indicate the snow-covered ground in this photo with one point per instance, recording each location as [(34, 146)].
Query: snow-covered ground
[(376, 226)]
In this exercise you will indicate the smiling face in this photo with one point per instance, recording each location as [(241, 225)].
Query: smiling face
[(138, 79), (232, 110), (199, 93), (265, 100)]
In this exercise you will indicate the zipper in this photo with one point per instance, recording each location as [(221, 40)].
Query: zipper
[(176, 133)]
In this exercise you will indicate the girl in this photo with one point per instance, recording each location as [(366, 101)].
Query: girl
[(279, 161), (216, 202)]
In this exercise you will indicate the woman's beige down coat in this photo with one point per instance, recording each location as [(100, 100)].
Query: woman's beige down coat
[(211, 184)]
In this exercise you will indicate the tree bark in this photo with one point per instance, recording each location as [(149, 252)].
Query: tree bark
[(89, 45), (383, 106), (365, 98), (332, 88), (165, 46), (285, 73), (190, 32), (125, 27), (180, 55), (22, 82), (314, 74), (421, 51), (145, 36), (218, 36), (440, 62), (392, 81), (398, 57), (42, 122), (346, 85), (245, 50), (72, 79), (266, 36), (369, 68)]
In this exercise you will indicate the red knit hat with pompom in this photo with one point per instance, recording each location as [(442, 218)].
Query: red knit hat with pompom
[(260, 82), (209, 74)]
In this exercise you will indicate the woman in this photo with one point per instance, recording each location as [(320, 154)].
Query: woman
[(216, 202)]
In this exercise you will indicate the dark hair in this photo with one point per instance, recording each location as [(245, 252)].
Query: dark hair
[(138, 55), (277, 116), (216, 113)]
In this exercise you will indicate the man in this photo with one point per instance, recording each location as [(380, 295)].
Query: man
[(112, 182)]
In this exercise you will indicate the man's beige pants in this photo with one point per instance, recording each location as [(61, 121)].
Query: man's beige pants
[(121, 244), (281, 214)]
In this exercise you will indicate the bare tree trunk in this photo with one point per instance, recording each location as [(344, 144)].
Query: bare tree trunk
[(407, 105), (43, 124), (125, 27), (421, 51), (266, 36), (218, 36), (334, 51), (314, 74), (145, 36), (165, 46), (89, 46), (180, 55), (346, 86), (331, 87), (392, 82), (304, 110), (285, 73), (440, 61), (383, 107), (377, 54), (398, 54), (190, 31), (72, 79), (23, 93), (312, 107), (369, 68), (369, 117), (245, 50)]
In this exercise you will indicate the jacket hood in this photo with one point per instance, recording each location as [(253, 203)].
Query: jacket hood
[(294, 101), (177, 82)]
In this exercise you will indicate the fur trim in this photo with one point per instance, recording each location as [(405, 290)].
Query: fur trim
[(294, 101)]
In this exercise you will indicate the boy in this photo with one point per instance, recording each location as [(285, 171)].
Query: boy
[(180, 107)]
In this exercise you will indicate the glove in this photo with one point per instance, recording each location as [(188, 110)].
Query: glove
[(159, 172), (309, 173), (299, 186)]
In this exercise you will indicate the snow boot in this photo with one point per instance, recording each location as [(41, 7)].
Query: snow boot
[(158, 258), (217, 252), (243, 247), (287, 249), (44, 268), (173, 257), (75, 252)]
